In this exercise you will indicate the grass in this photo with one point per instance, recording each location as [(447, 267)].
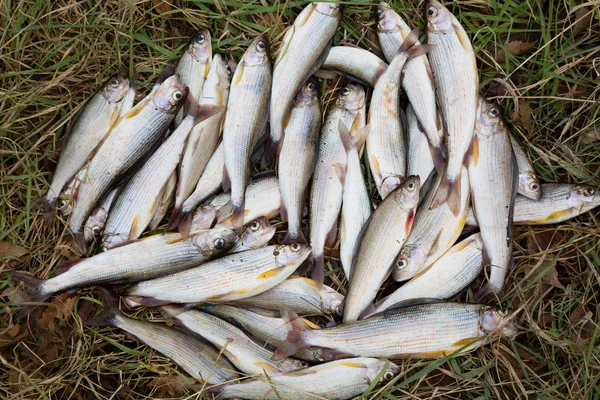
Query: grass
[(53, 55)]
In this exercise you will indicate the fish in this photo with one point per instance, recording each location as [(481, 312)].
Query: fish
[(268, 330), (303, 51), (385, 143), (193, 68), (456, 82), (249, 97), (355, 63), (228, 278), (247, 355), (356, 203), (302, 295), (341, 379), (94, 226), (204, 138), (298, 156), (416, 329), (418, 85), (140, 259), (194, 355), (559, 202), (256, 234), (434, 231), (529, 183), (494, 177), (66, 199), (328, 178), (443, 279), (418, 156), (165, 199), (129, 139), (137, 203), (86, 131), (379, 244)]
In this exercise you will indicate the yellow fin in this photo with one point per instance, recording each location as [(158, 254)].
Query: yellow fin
[(239, 72), (464, 342), (352, 364), (137, 109), (270, 273), (435, 354), (308, 14), (176, 240), (310, 324), (267, 367), (551, 217)]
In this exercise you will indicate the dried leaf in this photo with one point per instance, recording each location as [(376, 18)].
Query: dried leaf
[(515, 47), (522, 114), (12, 254), (583, 16), (162, 6), (582, 326)]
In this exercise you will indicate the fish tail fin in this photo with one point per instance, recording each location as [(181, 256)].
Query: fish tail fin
[(184, 225), (352, 140), (213, 392), (205, 111), (111, 309), (32, 292), (449, 192), (294, 341), (295, 238), (318, 270), (237, 218), (175, 219), (439, 161), (81, 244), (47, 206)]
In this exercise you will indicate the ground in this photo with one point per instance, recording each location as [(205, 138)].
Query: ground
[(539, 60)]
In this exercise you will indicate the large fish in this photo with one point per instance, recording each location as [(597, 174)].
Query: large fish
[(302, 52), (418, 82), (193, 67), (86, 132), (529, 183), (559, 202), (228, 278), (379, 244), (197, 357), (248, 110), (418, 330), (456, 81), (247, 355), (204, 138), (342, 379), (355, 63), (494, 177), (328, 179), (297, 157)]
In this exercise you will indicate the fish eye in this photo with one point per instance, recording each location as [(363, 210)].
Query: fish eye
[(254, 226), (401, 264), (115, 82), (340, 310), (589, 191), (310, 87), (411, 185), (534, 186), (219, 243), (261, 46), (200, 38), (96, 230), (62, 204), (432, 12), (229, 71), (379, 14), (295, 247), (346, 91), (177, 95), (304, 364), (388, 375), (493, 112)]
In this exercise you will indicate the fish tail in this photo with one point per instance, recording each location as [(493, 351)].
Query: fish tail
[(270, 149), (184, 225), (290, 238), (111, 309), (175, 219), (32, 292), (81, 244), (439, 161), (213, 392), (352, 140), (47, 206), (449, 192), (294, 341), (237, 218), (318, 271)]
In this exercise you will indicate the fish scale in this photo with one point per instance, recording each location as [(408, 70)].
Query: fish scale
[(355, 62)]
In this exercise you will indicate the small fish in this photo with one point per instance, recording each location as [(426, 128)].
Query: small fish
[(302, 295), (249, 97), (247, 355), (193, 68), (342, 379), (303, 51), (559, 202), (379, 244), (456, 81), (66, 200), (255, 235), (529, 183), (297, 157), (193, 354), (232, 277), (418, 329), (94, 226), (355, 63), (85, 133)]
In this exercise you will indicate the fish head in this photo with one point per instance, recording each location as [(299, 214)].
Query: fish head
[(529, 183), (438, 18), (170, 94), (489, 119), (330, 9), (389, 184), (407, 195), (291, 254), (290, 364), (211, 242), (409, 261), (377, 367), (584, 196), (494, 322), (111, 240), (204, 217), (115, 88), (65, 205), (386, 18), (222, 70), (307, 95), (95, 224), (352, 97), (333, 302), (258, 53), (257, 233), (200, 46)]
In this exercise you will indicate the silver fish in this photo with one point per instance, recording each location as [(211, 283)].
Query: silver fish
[(66, 200), (297, 157), (302, 52), (356, 63), (423, 330), (194, 355), (529, 184), (456, 81), (256, 234), (94, 226), (165, 199), (248, 356), (379, 244), (493, 176), (193, 67), (204, 138), (302, 295), (342, 379), (249, 97), (86, 132), (418, 160), (327, 188), (232, 277)]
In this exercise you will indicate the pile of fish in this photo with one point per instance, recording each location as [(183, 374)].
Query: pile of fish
[(440, 157)]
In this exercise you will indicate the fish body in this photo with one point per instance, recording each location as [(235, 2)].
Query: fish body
[(356, 63), (529, 183), (381, 241), (94, 226), (165, 199), (66, 200), (418, 156), (298, 155)]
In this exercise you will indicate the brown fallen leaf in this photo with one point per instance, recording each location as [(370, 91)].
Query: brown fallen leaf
[(522, 114), (12, 254), (583, 17), (582, 327), (162, 6), (515, 47)]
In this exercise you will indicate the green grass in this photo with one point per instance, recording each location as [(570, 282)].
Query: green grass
[(53, 55)]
